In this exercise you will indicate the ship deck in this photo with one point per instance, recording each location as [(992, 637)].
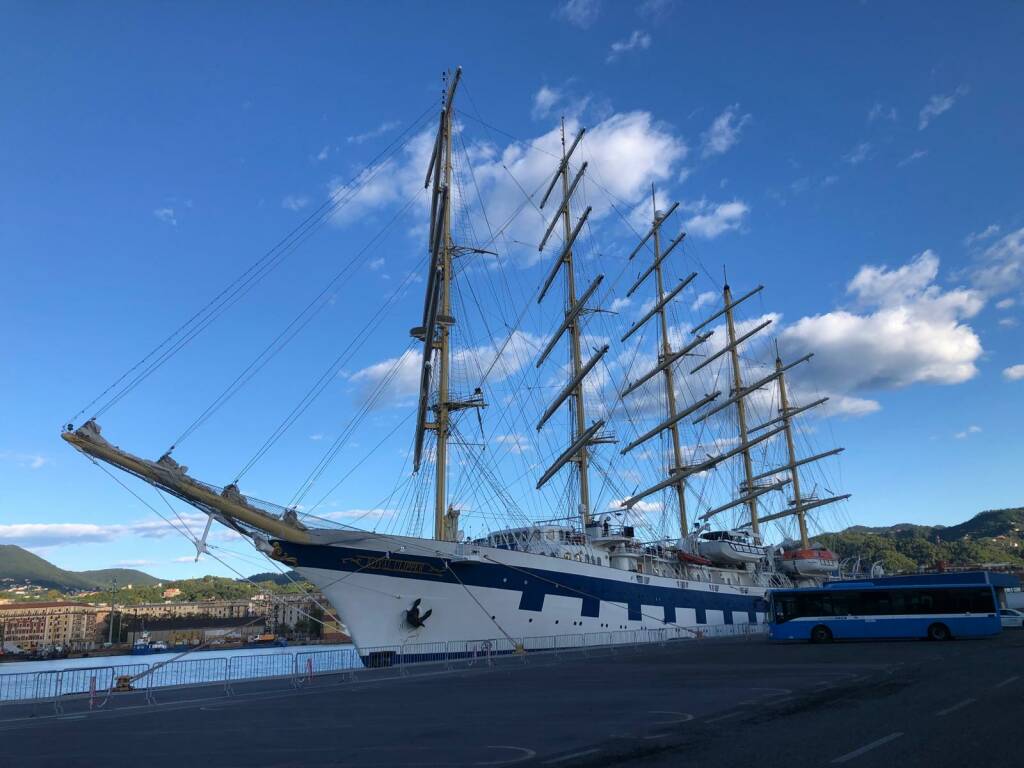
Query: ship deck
[(712, 703)]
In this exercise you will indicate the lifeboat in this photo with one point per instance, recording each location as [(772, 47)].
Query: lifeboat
[(692, 559), (730, 548), (809, 562)]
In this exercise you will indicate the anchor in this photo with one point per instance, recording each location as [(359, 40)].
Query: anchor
[(414, 617)]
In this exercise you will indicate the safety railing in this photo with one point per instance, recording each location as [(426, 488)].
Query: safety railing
[(97, 683)]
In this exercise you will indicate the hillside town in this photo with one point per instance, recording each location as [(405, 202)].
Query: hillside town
[(51, 628)]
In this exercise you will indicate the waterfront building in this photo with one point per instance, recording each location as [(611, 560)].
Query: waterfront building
[(42, 625)]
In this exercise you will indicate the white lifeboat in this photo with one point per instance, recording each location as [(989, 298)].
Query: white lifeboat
[(730, 547)]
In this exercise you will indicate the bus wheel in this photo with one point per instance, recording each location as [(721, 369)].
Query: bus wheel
[(821, 634), (938, 632)]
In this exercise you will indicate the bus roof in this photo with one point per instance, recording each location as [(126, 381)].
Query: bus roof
[(956, 579)]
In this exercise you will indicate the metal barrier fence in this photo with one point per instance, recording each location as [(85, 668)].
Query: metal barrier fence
[(303, 667)]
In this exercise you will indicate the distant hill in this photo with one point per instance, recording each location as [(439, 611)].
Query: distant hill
[(993, 536), (281, 579), (19, 566)]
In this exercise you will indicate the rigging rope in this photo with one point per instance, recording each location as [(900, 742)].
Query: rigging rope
[(238, 287)]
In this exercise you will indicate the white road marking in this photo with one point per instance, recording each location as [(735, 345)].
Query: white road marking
[(867, 747), (681, 717), (563, 758), (955, 707), (528, 754), (722, 717), (1007, 681)]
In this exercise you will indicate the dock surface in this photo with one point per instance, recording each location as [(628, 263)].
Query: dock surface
[(714, 703)]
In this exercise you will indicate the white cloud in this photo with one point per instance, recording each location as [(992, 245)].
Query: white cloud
[(626, 151), (386, 127), (1005, 303), (516, 443), (317, 437), (637, 40), (879, 111), (1008, 322), (937, 105), (917, 154), (641, 507), (166, 215), (724, 132), (544, 100), (324, 153), (1014, 372), (858, 154), (828, 181), (25, 460), (654, 9), (619, 304), (293, 203), (400, 376), (579, 13), (375, 264), (990, 231), (708, 297), (57, 534), (909, 331), (971, 430), (712, 220), (1002, 264)]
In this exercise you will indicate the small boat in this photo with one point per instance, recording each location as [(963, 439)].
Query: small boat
[(730, 547), (689, 557), (814, 561), (142, 645)]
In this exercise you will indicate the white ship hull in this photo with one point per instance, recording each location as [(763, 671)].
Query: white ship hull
[(478, 593)]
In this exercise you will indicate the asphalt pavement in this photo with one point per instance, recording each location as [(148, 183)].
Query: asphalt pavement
[(708, 704)]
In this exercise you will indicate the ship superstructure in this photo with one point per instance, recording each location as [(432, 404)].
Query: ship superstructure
[(594, 565)]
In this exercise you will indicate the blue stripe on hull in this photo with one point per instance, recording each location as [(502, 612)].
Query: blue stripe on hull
[(533, 584)]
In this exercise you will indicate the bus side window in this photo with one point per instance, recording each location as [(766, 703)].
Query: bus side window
[(982, 602), (899, 602), (914, 602)]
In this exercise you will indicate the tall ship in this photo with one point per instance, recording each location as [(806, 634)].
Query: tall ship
[(639, 470)]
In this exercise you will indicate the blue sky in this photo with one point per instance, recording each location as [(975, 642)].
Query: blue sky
[(862, 160)]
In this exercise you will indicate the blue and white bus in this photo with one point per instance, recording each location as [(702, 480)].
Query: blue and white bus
[(894, 607)]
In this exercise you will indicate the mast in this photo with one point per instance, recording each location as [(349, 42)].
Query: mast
[(581, 436), (441, 417), (574, 336), (666, 356), (666, 352), (435, 333), (793, 473), (741, 410)]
